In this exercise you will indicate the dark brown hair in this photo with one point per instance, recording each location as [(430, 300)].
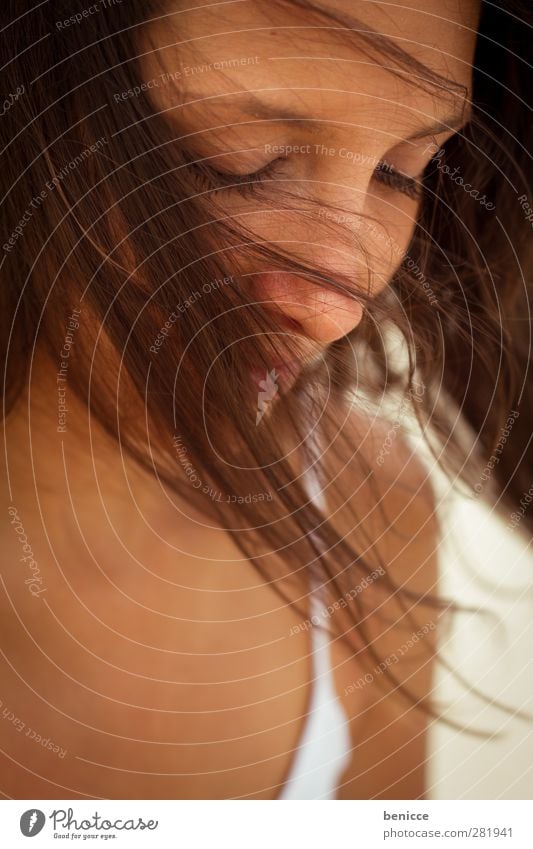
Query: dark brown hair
[(103, 213)]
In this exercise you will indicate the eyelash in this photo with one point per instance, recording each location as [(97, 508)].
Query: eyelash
[(248, 184), (245, 184), (389, 176)]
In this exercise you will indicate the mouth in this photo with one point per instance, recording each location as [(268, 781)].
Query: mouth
[(275, 378), (279, 377)]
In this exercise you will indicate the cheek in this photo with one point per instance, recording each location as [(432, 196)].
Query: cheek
[(382, 244), (367, 248), (303, 231)]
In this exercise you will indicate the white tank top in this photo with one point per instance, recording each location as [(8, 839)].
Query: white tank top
[(324, 749), (483, 564)]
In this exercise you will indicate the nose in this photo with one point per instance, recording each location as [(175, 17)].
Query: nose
[(324, 315)]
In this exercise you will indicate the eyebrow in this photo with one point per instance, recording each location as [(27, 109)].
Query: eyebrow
[(443, 125), (253, 106)]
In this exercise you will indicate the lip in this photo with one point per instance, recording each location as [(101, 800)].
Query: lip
[(279, 376), (291, 324)]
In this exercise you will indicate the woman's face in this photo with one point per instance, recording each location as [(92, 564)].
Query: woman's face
[(276, 99)]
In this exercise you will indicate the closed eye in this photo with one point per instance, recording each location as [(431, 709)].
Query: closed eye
[(216, 180), (247, 184), (396, 180)]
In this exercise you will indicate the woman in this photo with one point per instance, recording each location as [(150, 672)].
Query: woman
[(246, 245)]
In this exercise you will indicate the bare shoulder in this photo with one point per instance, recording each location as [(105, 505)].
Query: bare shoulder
[(384, 485), (390, 521)]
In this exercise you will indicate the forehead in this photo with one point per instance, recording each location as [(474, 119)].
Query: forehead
[(289, 55)]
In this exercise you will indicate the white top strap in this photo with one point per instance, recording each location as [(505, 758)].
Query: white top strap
[(325, 746)]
